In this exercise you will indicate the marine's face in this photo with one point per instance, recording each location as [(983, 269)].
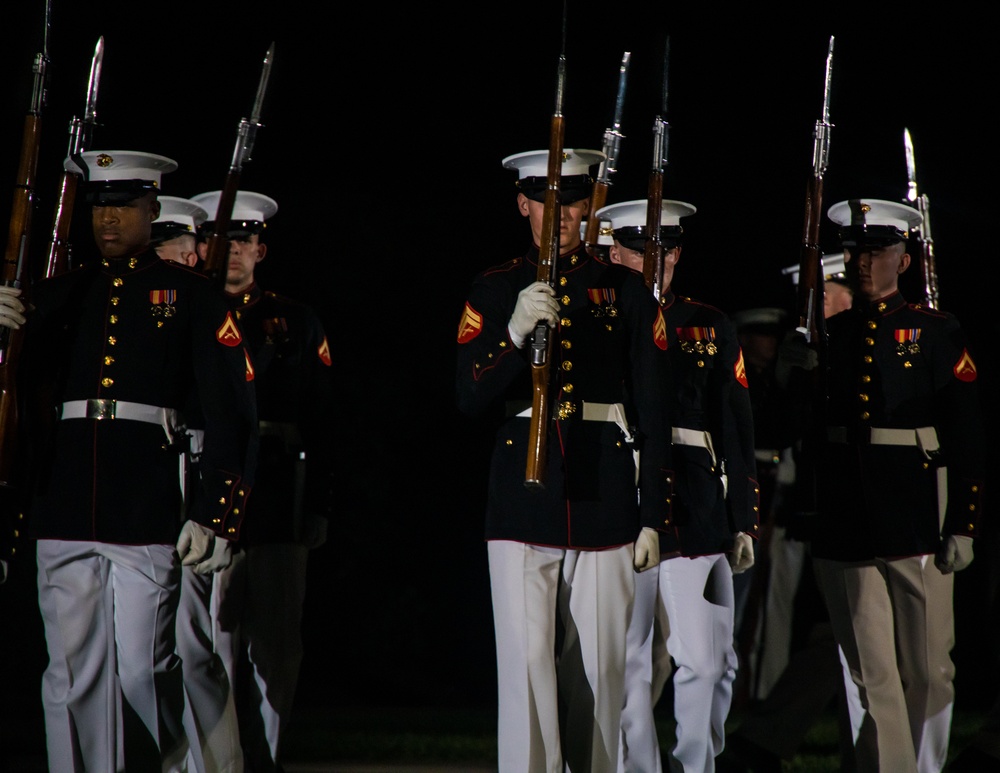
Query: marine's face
[(123, 229), (634, 260), (570, 218), (876, 269), (245, 252)]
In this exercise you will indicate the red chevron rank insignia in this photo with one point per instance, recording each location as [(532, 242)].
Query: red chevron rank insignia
[(324, 352), (229, 333), (660, 330), (470, 325), (965, 368), (250, 371), (740, 370)]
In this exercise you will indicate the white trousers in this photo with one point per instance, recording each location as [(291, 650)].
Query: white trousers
[(698, 596), (646, 659), (209, 711), (582, 689), (112, 692), (895, 624), (257, 608)]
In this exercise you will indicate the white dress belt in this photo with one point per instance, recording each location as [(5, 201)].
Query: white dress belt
[(100, 409)]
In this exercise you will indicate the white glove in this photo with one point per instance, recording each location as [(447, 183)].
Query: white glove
[(741, 558), (194, 542), (11, 308), (794, 352), (221, 557), (647, 549), (955, 554), (534, 303)]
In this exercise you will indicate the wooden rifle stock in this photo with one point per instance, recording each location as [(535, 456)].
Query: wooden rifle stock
[(652, 263), (598, 198), (811, 285), (57, 252), (15, 273), (217, 253), (541, 340), (548, 256)]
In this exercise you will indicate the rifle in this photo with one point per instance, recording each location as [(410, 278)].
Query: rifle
[(218, 243), (15, 261), (612, 145), (548, 257), (928, 268), (810, 290), (80, 130), (652, 264)]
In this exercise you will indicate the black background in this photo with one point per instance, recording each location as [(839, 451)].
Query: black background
[(384, 130)]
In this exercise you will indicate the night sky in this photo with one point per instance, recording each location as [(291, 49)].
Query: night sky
[(384, 131)]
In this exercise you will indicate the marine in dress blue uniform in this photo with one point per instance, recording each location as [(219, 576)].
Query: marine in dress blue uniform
[(258, 599), (566, 555), (114, 352), (689, 601), (900, 455)]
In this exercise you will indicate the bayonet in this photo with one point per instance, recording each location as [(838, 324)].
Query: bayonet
[(218, 242), (911, 168), (821, 145), (609, 164), (928, 264), (248, 128), (652, 265)]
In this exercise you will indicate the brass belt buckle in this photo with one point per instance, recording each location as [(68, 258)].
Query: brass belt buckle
[(100, 409), (566, 409)]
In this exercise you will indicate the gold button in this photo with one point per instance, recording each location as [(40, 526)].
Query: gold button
[(566, 365), (229, 483), (240, 492), (865, 378), (236, 511), (868, 359), (701, 363), (510, 442), (869, 342), (222, 500), (971, 527), (503, 344), (618, 443), (756, 509), (872, 324), (114, 300), (865, 416), (926, 465), (565, 322), (117, 281), (975, 488), (566, 344), (564, 300), (881, 307), (666, 521), (573, 260), (755, 527), (756, 490), (112, 340), (132, 262), (907, 364), (113, 319), (863, 397), (216, 520), (107, 381), (568, 389), (489, 356), (109, 360), (231, 530), (972, 508), (608, 326), (562, 281)]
